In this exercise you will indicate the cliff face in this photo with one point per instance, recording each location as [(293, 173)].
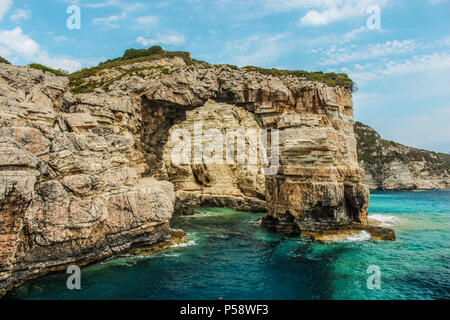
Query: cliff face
[(71, 188), (86, 175), (240, 186), (392, 166)]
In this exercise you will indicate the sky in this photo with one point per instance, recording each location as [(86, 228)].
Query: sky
[(398, 52)]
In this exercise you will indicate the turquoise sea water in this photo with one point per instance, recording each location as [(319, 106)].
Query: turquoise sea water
[(229, 255)]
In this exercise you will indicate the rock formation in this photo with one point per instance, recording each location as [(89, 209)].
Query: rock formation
[(85, 167), (240, 186), (71, 188), (392, 166)]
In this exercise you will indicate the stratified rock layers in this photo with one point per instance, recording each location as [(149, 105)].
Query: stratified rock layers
[(70, 188), (81, 174), (393, 166)]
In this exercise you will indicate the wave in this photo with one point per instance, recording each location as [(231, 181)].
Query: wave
[(184, 244), (384, 220), (192, 240), (172, 254), (362, 236)]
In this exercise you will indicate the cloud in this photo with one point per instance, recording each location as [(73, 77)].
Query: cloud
[(60, 38), (14, 45), (258, 49), (338, 54), (318, 12), (419, 63), (146, 21), (5, 5), (167, 39), (336, 10), (15, 41), (110, 21), (121, 4), (21, 14)]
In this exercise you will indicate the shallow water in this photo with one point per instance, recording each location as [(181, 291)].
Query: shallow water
[(229, 255)]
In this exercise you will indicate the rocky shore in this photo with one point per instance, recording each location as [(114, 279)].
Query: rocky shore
[(85, 168)]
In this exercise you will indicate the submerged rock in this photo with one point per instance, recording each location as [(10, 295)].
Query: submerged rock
[(145, 249), (329, 231)]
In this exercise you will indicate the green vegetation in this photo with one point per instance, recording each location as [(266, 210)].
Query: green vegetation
[(131, 56), (332, 79), (376, 151), (79, 83), (3, 60), (44, 68), (83, 86), (137, 53), (369, 146)]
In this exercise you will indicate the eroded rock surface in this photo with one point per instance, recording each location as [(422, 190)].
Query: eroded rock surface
[(83, 175), (393, 166), (71, 187)]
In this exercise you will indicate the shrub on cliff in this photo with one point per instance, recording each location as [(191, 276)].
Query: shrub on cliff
[(38, 66), (137, 53), (2, 60), (130, 56), (332, 79)]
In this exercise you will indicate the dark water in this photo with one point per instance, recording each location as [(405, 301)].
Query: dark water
[(229, 255)]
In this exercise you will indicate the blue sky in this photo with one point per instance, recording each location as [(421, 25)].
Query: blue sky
[(402, 69)]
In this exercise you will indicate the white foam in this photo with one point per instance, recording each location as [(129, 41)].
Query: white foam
[(203, 214), (184, 244), (384, 220), (362, 236), (171, 254)]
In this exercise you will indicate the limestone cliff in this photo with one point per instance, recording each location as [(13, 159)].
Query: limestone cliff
[(392, 166), (86, 171), (71, 183)]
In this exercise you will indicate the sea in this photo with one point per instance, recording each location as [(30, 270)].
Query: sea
[(229, 255)]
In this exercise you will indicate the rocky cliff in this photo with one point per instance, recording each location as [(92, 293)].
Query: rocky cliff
[(72, 189), (392, 166), (86, 168)]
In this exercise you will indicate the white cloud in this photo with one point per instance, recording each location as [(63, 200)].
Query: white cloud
[(167, 39), (338, 54), (16, 42), (318, 12), (146, 21), (353, 34), (110, 22), (21, 14), (60, 38), (259, 49), (420, 63), (335, 10), (14, 45), (5, 5), (121, 4)]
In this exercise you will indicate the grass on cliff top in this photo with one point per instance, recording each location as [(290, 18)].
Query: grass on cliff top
[(331, 79), (44, 68), (3, 60), (132, 56)]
